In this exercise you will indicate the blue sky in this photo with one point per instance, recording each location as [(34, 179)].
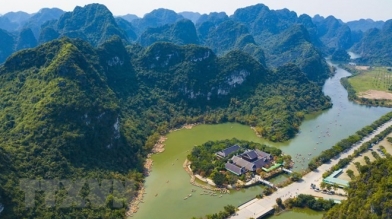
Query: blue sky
[(344, 9)]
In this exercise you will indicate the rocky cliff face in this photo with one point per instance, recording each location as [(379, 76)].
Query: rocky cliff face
[(93, 23)]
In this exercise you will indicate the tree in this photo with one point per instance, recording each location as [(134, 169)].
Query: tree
[(267, 191), (279, 201), (367, 160), (219, 178), (350, 173), (230, 209), (295, 176), (358, 166), (335, 187), (323, 185), (232, 178), (312, 165), (279, 160)]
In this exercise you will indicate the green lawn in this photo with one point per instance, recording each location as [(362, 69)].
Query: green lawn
[(378, 78)]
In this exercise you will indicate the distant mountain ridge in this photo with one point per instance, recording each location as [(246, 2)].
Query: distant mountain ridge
[(263, 25), (365, 24), (376, 46), (16, 21)]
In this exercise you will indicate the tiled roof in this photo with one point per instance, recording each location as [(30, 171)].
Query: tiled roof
[(233, 168), (228, 150), (262, 162), (261, 153), (250, 155), (243, 163)]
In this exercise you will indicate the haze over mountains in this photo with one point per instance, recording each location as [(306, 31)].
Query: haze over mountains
[(87, 95), (324, 34)]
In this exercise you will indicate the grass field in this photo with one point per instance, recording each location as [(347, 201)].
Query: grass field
[(378, 78)]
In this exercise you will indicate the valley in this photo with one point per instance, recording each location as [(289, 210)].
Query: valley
[(98, 109), (351, 117)]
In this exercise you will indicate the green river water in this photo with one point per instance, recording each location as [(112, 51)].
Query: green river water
[(168, 183)]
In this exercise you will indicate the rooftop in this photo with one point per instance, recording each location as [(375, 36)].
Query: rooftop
[(228, 151), (234, 169), (332, 179)]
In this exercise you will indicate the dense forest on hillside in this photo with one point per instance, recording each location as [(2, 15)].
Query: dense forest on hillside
[(376, 46), (95, 24), (87, 95), (69, 110), (369, 195)]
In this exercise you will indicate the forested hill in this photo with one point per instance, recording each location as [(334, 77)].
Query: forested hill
[(369, 195), (95, 24), (376, 46), (69, 110)]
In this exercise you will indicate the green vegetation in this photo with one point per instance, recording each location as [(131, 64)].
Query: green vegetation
[(364, 147), (368, 195), (93, 23), (347, 143), (226, 213), (340, 55), (57, 121), (71, 111), (295, 176), (350, 173), (375, 46), (308, 201), (333, 33), (206, 164), (295, 42), (378, 78), (182, 32)]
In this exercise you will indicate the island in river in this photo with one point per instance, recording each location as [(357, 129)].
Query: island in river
[(342, 120)]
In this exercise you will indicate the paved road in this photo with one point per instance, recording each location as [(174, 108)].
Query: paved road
[(258, 207)]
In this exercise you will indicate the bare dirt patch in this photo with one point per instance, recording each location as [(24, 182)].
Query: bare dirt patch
[(376, 95), (361, 159), (363, 68)]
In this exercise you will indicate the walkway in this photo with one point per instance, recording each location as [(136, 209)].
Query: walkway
[(264, 181), (259, 207)]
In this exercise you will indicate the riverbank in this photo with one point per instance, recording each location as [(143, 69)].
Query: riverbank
[(187, 168), (369, 87), (303, 187), (170, 204), (159, 147)]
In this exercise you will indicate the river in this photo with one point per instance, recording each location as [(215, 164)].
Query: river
[(168, 183)]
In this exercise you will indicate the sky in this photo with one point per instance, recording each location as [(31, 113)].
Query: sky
[(346, 10)]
